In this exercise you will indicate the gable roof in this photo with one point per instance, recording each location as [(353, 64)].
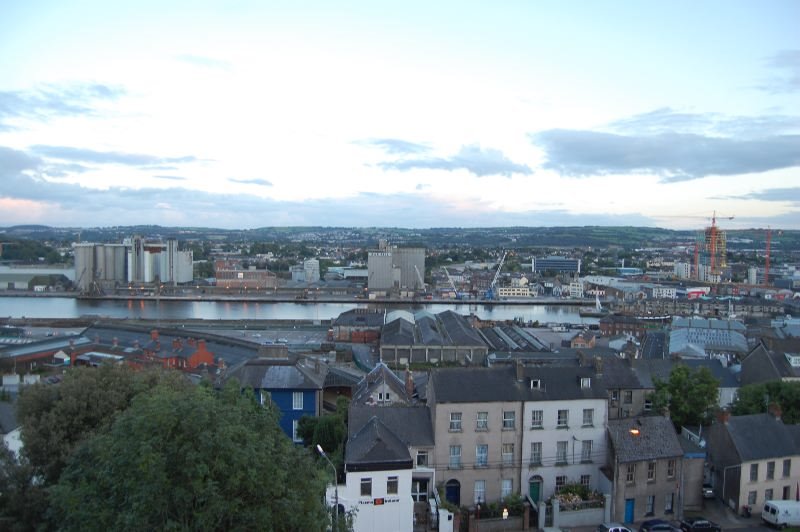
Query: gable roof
[(760, 436), (376, 447), (380, 375), (281, 374), (656, 439), (411, 424)]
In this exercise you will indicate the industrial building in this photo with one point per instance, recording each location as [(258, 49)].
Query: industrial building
[(425, 337), (555, 264), (392, 268), (105, 266)]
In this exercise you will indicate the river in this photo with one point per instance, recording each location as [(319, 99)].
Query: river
[(66, 307)]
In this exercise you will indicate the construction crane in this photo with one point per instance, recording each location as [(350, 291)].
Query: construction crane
[(490, 292), (452, 284), (419, 278)]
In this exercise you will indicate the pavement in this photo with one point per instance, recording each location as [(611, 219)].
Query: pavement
[(713, 510)]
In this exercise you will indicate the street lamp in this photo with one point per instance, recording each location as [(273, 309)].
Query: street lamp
[(335, 487)]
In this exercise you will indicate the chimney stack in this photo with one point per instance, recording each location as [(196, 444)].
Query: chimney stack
[(409, 383), (598, 366), (520, 367), (775, 411)]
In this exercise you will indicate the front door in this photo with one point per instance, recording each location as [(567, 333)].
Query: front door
[(629, 510), (452, 492), (535, 488)]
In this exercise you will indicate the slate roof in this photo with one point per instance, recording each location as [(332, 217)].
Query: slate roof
[(376, 444), (761, 436), (656, 439), (280, 374), (361, 317), (649, 370), (398, 332), (707, 323), (458, 329), (411, 424), (380, 375), (473, 385)]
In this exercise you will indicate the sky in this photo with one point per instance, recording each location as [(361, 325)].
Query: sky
[(245, 114)]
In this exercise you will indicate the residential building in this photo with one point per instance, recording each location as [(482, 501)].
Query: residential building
[(293, 385), (754, 458), (563, 426), (766, 365), (382, 387), (378, 472), (645, 465), (555, 264), (476, 415)]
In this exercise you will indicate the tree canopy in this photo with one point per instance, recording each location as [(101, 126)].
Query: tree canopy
[(690, 396), (755, 399)]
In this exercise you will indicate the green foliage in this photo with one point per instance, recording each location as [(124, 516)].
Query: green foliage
[(187, 458), (576, 489), (514, 503), (755, 398), (689, 395), (22, 499), (55, 419)]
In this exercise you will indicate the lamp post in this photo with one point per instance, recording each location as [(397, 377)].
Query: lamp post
[(335, 487)]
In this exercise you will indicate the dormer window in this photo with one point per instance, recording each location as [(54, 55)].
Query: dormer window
[(536, 384), (794, 360), (586, 382)]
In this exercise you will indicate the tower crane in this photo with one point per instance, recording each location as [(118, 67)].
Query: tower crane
[(452, 284)]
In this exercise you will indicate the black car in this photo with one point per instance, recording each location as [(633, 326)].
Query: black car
[(699, 524), (657, 525)]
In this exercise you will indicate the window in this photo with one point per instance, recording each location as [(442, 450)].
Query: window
[(366, 487), (787, 467), (506, 487), (768, 494), (480, 491), (391, 486), (651, 503), (295, 437), (561, 481), (628, 397), (455, 421), (651, 471), (648, 405), (481, 455), (455, 456), (586, 451), (536, 419), (669, 501), (509, 420), (753, 472), (563, 418), (297, 400), (508, 453), (482, 422), (536, 452), (588, 417), (586, 480), (671, 469), (586, 382), (787, 493), (422, 458), (419, 490), (752, 497), (561, 452), (614, 396), (770, 471), (630, 473)]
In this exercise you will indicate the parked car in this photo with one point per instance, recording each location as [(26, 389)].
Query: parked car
[(699, 524), (781, 514), (612, 527), (708, 491), (659, 525)]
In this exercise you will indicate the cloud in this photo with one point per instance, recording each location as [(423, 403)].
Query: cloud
[(668, 120), (473, 158), (771, 194), (170, 177), (205, 62), (261, 182), (786, 64), (51, 101), (67, 153), (673, 156), (397, 146), (13, 162)]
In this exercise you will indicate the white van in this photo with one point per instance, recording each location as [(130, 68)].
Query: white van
[(781, 513)]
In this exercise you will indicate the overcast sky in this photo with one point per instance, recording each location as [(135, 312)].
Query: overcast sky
[(412, 114)]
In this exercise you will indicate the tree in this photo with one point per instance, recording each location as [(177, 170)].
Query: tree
[(22, 498), (689, 395), (190, 458), (55, 419), (755, 398)]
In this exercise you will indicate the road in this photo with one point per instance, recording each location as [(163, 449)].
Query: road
[(655, 345)]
